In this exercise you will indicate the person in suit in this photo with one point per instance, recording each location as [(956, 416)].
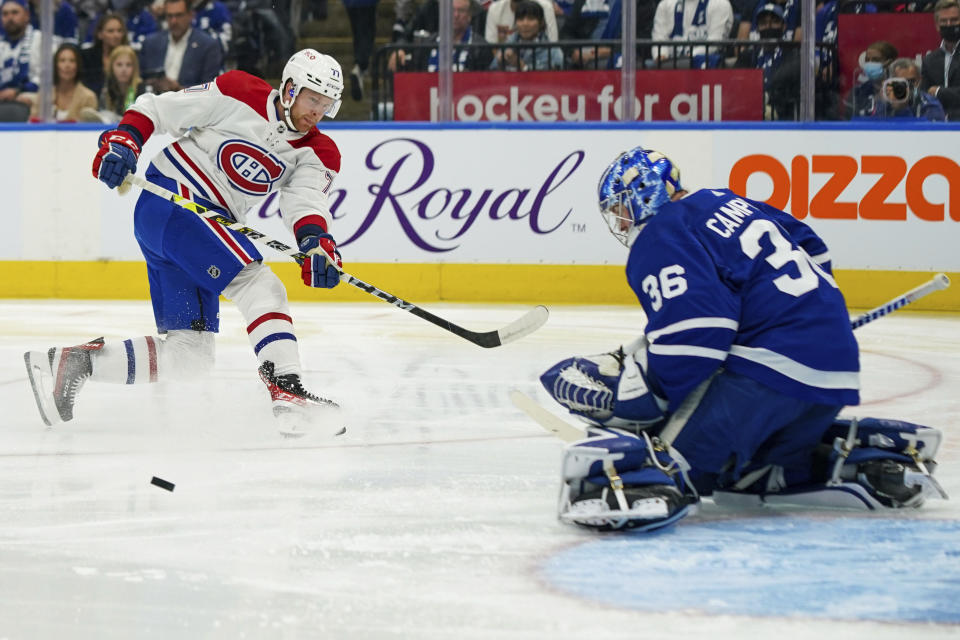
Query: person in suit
[(939, 80), (179, 56)]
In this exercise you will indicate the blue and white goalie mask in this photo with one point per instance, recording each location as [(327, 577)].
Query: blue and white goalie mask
[(633, 188)]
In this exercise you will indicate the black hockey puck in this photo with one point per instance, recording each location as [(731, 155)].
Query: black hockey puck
[(163, 484)]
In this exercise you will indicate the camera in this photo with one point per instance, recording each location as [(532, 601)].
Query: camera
[(899, 87)]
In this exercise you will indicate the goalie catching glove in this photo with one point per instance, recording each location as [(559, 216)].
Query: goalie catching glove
[(610, 389)]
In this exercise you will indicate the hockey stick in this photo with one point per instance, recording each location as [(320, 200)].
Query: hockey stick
[(568, 433), (522, 326), (938, 282), (555, 425)]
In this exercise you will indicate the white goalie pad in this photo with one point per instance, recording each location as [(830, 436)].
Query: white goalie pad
[(614, 479), (641, 514), (843, 495)]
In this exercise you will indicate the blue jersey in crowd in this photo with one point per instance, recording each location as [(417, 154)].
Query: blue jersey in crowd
[(213, 18), (728, 280)]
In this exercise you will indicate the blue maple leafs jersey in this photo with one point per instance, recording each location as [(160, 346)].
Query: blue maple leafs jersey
[(728, 281)]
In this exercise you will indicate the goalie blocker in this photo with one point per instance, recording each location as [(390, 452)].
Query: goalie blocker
[(623, 476)]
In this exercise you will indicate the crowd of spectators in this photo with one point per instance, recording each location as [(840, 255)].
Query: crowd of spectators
[(114, 50), (885, 85), (117, 49)]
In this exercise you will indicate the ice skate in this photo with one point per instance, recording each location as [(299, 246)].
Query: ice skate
[(298, 411), (57, 376)]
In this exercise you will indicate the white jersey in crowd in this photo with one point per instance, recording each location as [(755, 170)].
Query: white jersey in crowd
[(20, 62), (233, 150)]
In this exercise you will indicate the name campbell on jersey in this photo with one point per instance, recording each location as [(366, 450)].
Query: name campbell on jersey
[(712, 261)]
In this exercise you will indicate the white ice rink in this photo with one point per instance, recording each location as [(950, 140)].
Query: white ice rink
[(434, 516)]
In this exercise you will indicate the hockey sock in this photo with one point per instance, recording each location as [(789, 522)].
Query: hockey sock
[(132, 361), (272, 338), (262, 299)]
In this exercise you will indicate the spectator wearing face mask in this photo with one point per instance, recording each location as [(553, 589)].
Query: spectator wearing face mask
[(873, 71), (941, 67), (902, 97), (780, 65), (748, 14)]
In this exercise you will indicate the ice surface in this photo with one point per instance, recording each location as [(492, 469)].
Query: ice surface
[(434, 517)]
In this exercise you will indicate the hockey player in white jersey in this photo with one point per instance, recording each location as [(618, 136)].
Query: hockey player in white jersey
[(734, 387), (238, 141)]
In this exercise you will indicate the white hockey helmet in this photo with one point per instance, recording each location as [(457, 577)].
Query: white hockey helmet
[(311, 69)]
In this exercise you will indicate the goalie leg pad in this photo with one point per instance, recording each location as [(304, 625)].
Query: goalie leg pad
[(615, 480), (863, 464), (892, 459), (889, 435)]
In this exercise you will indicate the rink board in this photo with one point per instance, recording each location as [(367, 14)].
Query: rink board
[(508, 213), (542, 284)]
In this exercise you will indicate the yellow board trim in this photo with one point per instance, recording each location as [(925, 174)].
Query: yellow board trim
[(421, 283)]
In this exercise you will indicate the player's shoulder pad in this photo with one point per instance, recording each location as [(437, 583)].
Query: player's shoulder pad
[(246, 88), (322, 145)]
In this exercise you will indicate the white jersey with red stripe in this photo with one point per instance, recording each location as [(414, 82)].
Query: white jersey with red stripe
[(233, 150)]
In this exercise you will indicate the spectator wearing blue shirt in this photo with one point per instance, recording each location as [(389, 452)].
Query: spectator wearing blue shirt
[(138, 20), (749, 11), (902, 97), (875, 61), (64, 20), (588, 20), (213, 18), (140, 24)]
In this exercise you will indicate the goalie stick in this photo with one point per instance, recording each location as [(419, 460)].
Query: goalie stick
[(555, 425), (568, 433), (938, 282), (522, 326)]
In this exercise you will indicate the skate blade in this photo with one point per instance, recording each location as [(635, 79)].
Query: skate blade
[(294, 422), (38, 371), (295, 434), (929, 487)]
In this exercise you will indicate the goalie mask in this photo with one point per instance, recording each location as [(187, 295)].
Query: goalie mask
[(310, 69), (633, 188)]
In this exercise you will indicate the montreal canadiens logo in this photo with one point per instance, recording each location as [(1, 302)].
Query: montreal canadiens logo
[(248, 167)]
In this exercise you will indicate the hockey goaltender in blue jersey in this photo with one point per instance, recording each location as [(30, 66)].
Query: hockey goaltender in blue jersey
[(733, 387), (748, 286)]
